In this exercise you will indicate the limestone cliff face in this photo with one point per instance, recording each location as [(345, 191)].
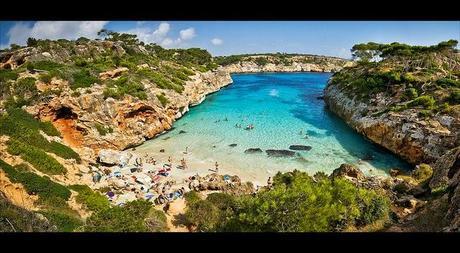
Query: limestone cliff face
[(404, 133), (297, 64), (132, 121)]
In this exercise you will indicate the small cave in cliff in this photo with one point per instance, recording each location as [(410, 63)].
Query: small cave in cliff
[(141, 111), (65, 113)]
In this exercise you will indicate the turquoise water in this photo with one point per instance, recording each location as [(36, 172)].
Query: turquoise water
[(280, 106)]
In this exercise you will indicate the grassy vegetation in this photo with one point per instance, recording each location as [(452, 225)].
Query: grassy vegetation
[(421, 78), (163, 100), (26, 140), (35, 156), (94, 201), (63, 221), (124, 86), (83, 79), (296, 204), (44, 187), (21, 219)]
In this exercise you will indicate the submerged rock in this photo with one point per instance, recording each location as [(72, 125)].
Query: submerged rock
[(300, 147), (253, 150), (279, 153)]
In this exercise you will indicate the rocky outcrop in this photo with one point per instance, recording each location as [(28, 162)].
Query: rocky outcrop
[(404, 133), (348, 170)]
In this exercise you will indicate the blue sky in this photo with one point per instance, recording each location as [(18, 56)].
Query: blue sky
[(334, 38)]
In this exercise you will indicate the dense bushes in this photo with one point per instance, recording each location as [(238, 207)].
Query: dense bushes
[(44, 187), (7, 74), (27, 141), (295, 204), (124, 86), (94, 201), (261, 61), (63, 221), (426, 101), (368, 51), (82, 79), (17, 219), (132, 217), (35, 156), (163, 100)]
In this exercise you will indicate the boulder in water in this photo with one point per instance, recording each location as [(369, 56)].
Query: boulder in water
[(279, 153), (253, 150), (300, 147)]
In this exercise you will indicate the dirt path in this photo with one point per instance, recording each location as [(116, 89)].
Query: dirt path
[(174, 216)]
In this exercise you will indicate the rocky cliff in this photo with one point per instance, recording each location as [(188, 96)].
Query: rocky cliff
[(409, 103)]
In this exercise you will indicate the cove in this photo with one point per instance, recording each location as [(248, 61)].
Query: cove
[(285, 110)]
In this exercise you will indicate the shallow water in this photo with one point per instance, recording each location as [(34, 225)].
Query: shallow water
[(284, 108)]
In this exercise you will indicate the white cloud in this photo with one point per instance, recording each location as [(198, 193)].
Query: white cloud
[(161, 31), (187, 34), (161, 35), (19, 33), (217, 41)]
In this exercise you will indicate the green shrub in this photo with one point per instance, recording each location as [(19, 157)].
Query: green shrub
[(25, 120), (37, 157), (44, 65), (426, 101), (46, 78), (454, 97), (163, 100), (94, 201), (103, 130), (191, 197), (124, 86), (422, 173), (447, 82), (22, 220), (63, 221), (204, 215), (261, 61), (411, 93), (82, 79), (156, 221), (296, 203), (44, 187), (129, 218)]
